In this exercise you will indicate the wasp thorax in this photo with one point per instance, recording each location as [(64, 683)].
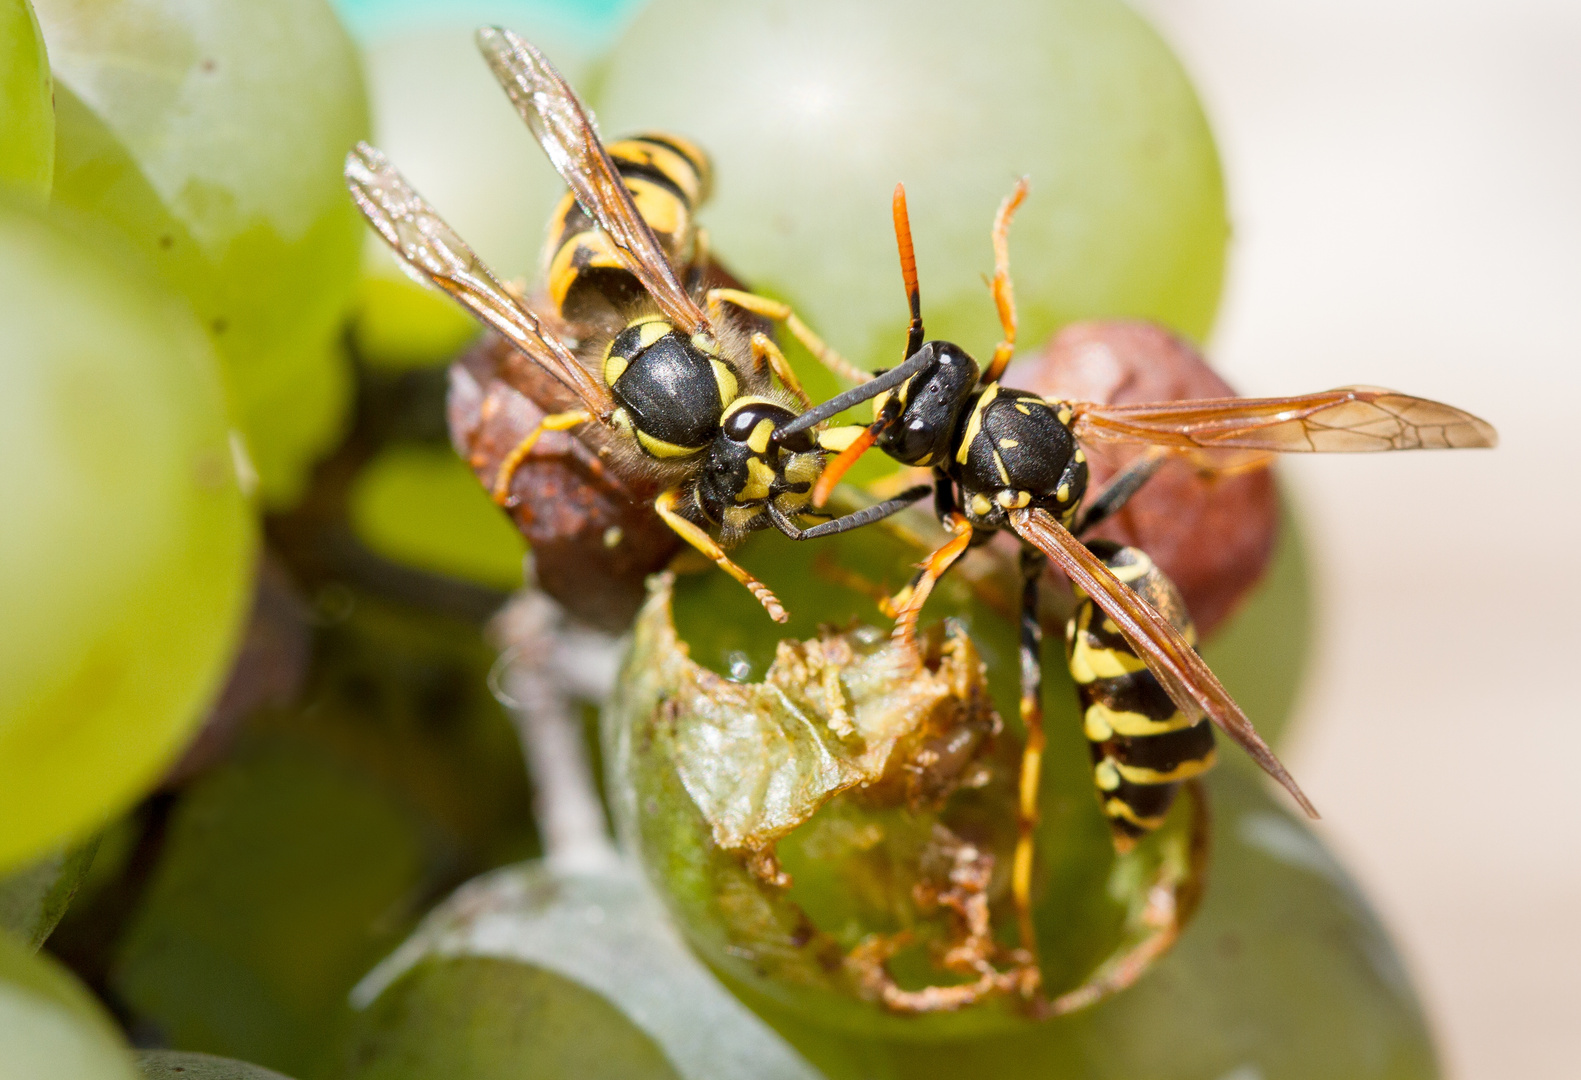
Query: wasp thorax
[(930, 404), (672, 388), (1016, 449)]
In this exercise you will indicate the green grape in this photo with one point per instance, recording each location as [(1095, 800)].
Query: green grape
[(265, 909), (126, 558), (446, 124), (51, 1028), (422, 506), (399, 324), (233, 119), (532, 972), (27, 123), (34, 898), (814, 109), (1285, 974), (180, 1065), (294, 865)]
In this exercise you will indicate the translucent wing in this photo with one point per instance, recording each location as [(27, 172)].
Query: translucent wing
[(1182, 673), (566, 132), (431, 252), (1348, 420)]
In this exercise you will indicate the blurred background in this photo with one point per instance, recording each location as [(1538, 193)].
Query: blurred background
[(1405, 191)]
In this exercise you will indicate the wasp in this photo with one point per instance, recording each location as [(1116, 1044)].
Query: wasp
[(683, 392), (1009, 459)]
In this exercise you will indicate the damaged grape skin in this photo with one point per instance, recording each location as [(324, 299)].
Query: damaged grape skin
[(787, 945)]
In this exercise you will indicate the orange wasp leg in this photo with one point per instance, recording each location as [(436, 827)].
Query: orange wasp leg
[(907, 605), (699, 539), (1004, 291), (553, 422)]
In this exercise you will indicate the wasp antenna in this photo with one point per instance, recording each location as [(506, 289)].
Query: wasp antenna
[(908, 268), (881, 382)]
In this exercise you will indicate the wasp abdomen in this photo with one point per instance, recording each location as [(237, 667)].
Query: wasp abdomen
[(668, 178), (1142, 746)]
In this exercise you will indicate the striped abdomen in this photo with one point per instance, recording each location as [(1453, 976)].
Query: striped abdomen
[(668, 178), (1142, 746)]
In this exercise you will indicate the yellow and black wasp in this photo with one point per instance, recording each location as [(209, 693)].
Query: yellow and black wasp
[(685, 393), (1004, 458)]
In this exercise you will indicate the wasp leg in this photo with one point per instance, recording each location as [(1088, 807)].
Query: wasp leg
[(765, 351), (865, 516), (507, 471), (1120, 489), (665, 505), (1032, 563), (1004, 291), (908, 605), (781, 312)]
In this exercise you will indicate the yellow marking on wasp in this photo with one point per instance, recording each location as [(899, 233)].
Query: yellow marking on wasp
[(838, 438), (660, 449), (1105, 775), (1004, 473), (1013, 500), (1134, 571), (1088, 664), (1118, 808), (981, 506), (1008, 444), (1136, 774), (1081, 458), (651, 330), (924, 459), (593, 250), (740, 518), (658, 206), (705, 344), (879, 402), (974, 425), (759, 439), (1102, 723), (1022, 409), (614, 367), (759, 479), (1062, 492), (725, 378), (1065, 414), (675, 167)]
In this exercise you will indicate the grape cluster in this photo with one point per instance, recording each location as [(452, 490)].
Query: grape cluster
[(262, 802)]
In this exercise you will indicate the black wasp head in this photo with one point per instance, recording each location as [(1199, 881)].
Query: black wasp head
[(927, 406), (752, 422)]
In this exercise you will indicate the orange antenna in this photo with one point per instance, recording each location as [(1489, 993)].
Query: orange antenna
[(843, 461), (908, 268)]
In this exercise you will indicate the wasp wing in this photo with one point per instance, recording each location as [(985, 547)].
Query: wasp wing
[(1178, 668), (430, 251), (1350, 419), (568, 136)]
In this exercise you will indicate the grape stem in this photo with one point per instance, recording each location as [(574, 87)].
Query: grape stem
[(549, 665)]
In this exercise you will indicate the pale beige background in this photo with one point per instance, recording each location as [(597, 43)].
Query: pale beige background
[(1405, 181)]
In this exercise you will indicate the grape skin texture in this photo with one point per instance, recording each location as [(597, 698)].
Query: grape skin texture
[(126, 556), (814, 109), (236, 116), (27, 122)]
